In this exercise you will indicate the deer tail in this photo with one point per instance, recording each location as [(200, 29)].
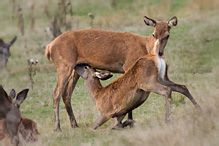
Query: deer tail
[(48, 52)]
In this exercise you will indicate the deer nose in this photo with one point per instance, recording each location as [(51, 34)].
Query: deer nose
[(160, 53)]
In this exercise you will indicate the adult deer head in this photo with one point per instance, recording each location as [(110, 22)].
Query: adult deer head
[(10, 112), (161, 31), (5, 51)]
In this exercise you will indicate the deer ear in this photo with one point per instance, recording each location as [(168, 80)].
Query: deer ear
[(172, 22), (3, 94), (21, 96), (1, 42), (80, 70), (149, 21), (12, 94), (12, 41), (103, 75)]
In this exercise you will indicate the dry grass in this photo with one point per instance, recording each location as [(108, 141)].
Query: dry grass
[(192, 53)]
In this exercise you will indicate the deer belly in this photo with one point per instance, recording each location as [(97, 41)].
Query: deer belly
[(132, 102)]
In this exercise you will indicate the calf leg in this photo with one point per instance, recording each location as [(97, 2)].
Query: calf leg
[(130, 122), (117, 124), (66, 96), (100, 121)]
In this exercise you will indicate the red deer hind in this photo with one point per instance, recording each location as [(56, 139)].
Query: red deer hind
[(105, 50)]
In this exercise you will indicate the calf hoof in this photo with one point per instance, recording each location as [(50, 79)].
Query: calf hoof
[(129, 123), (117, 128), (92, 129)]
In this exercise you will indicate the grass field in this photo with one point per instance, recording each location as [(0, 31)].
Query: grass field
[(192, 53)]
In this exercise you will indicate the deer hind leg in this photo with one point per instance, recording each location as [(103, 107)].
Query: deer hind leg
[(66, 96), (181, 89), (117, 124), (162, 90), (63, 76), (129, 122), (100, 121)]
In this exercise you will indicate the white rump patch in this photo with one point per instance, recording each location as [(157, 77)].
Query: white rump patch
[(161, 64)]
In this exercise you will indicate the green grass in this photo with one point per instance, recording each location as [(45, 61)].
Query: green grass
[(192, 54)]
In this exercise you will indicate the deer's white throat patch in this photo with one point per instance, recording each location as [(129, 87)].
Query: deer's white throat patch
[(161, 65)]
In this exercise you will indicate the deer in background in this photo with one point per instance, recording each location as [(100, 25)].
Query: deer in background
[(10, 114), (105, 50), (147, 74), (27, 129), (5, 52)]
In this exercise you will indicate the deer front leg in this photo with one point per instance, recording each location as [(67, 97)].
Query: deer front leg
[(158, 88), (100, 121), (181, 89)]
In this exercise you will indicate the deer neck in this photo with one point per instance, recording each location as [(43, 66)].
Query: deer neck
[(93, 86), (160, 62), (149, 43)]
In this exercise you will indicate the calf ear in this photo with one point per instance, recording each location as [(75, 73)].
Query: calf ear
[(149, 21), (103, 75), (12, 94), (21, 96), (172, 22), (80, 70)]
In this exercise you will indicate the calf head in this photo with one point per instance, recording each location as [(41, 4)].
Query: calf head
[(161, 30), (88, 73), (10, 112), (5, 51)]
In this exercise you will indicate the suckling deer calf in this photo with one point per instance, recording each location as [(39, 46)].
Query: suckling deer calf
[(12, 122), (147, 74), (5, 52)]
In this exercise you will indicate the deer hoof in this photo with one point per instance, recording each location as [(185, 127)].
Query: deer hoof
[(129, 123), (92, 129)]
